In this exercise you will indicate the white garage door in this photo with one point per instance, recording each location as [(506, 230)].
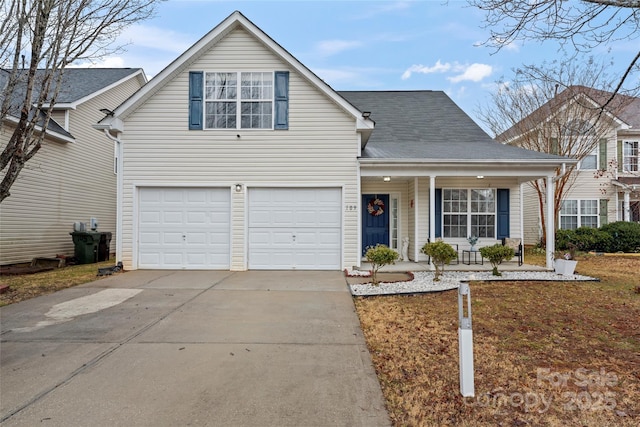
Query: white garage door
[(184, 228), (295, 228)]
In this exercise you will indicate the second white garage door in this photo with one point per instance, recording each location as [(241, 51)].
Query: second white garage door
[(295, 228)]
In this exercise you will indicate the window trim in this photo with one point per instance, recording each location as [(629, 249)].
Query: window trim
[(469, 214), (624, 157), (238, 100), (579, 215), (596, 153)]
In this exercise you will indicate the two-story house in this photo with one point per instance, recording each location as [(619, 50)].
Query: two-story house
[(72, 177), (605, 185), (237, 156)]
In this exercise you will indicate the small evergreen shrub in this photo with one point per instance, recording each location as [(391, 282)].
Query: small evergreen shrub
[(441, 253), (496, 254), (591, 239), (625, 236), (379, 256)]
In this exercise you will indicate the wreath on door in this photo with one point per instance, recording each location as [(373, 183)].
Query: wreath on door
[(375, 207)]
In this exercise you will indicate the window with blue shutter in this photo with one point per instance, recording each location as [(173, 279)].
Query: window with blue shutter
[(438, 212), (195, 99), (503, 213), (281, 100)]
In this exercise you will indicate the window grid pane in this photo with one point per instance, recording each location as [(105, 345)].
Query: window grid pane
[(468, 212), (630, 156)]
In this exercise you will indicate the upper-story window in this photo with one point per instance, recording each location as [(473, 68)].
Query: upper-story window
[(590, 161), (242, 100), (630, 156)]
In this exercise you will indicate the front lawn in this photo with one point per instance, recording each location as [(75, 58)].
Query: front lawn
[(546, 353)]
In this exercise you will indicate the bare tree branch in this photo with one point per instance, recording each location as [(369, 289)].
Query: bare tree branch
[(49, 35)]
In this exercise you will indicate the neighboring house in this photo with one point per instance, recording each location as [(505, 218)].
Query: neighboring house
[(72, 177), (605, 186), (237, 156)]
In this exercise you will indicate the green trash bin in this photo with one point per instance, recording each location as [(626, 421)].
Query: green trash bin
[(86, 246)]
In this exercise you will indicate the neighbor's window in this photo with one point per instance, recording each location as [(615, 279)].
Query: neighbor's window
[(590, 161), (578, 213), (239, 100), (469, 212), (630, 155)]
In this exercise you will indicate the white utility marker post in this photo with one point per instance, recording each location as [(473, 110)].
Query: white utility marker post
[(465, 340)]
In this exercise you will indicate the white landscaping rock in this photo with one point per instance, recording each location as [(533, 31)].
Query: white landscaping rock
[(423, 281)]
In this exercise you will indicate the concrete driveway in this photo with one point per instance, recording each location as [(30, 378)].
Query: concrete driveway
[(189, 348)]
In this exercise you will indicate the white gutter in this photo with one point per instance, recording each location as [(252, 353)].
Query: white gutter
[(119, 186)]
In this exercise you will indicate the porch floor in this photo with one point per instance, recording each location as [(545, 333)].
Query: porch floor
[(424, 266)]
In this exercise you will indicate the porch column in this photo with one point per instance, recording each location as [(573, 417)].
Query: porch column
[(522, 219), (551, 222), (626, 207), (416, 220), (432, 212)]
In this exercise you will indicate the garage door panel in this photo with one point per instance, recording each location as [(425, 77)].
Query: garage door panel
[(295, 228), (184, 228)]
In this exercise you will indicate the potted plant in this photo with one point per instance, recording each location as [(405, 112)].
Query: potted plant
[(472, 241), (441, 253), (565, 265)]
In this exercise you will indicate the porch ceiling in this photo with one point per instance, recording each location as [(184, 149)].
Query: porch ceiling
[(522, 171)]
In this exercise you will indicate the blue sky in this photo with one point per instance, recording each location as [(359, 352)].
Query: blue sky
[(357, 45)]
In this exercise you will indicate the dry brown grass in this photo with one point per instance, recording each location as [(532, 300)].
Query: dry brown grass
[(28, 286), (546, 354)]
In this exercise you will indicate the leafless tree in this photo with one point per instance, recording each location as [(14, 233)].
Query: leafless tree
[(555, 109), (38, 40), (583, 25)]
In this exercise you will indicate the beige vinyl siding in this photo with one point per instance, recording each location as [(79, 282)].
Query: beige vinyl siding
[(63, 183), (318, 150), (532, 226), (59, 117)]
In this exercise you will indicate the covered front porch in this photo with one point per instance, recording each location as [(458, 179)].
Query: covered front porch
[(449, 200)]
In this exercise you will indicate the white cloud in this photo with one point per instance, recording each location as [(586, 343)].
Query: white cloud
[(109, 62), (439, 67), (156, 38), (474, 72), (332, 47)]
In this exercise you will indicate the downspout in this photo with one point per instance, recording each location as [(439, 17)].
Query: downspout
[(119, 184)]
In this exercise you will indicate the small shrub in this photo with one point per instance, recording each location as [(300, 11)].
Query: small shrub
[(441, 253), (591, 239), (563, 238), (625, 236), (496, 254), (379, 256)]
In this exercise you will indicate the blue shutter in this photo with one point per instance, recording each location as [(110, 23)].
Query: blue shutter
[(438, 212), (503, 213), (195, 99), (281, 101)]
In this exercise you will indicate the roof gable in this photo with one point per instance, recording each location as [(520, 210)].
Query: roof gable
[(182, 63)]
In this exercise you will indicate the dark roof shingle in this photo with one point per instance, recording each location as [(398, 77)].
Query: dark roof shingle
[(428, 125)]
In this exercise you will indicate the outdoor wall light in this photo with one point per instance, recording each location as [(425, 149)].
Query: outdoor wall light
[(238, 188), (480, 177), (366, 114), (387, 178)]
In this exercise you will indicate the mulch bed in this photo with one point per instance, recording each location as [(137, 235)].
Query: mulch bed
[(383, 277), (18, 270)]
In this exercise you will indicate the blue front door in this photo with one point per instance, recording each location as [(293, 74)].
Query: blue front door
[(375, 220)]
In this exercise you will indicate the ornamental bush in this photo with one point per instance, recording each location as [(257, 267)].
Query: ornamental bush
[(379, 256), (441, 253), (625, 236), (496, 254)]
